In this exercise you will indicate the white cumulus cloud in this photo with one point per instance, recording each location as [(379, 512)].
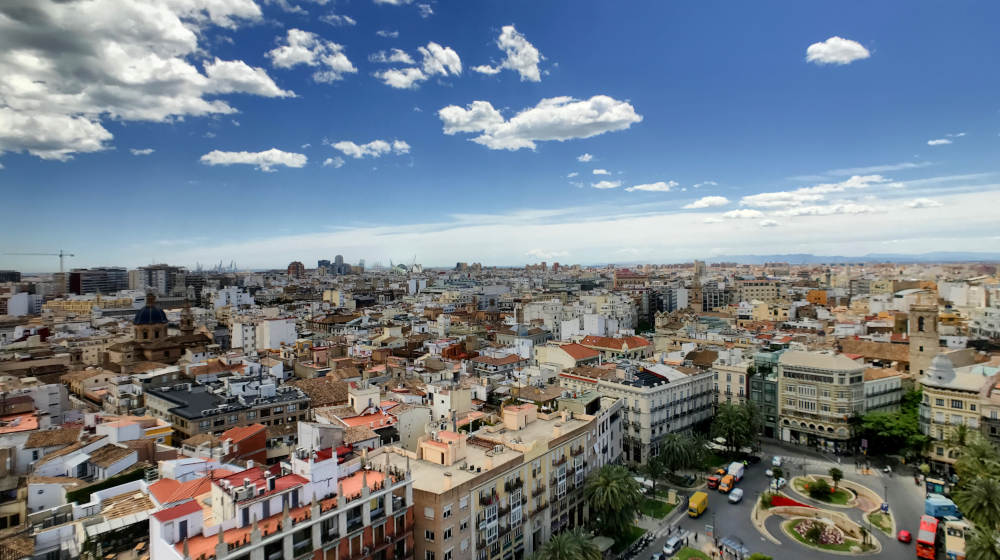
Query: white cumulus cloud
[(425, 10), (742, 214), (828, 210), (601, 172), (141, 151), (571, 175), (335, 162), (67, 67), (836, 50), (264, 161), (304, 47), (387, 33), (584, 158), (815, 193), (923, 203), (338, 20), (768, 223), (436, 60), (375, 148), (398, 56), (606, 184), (659, 186), (707, 202), (394, 2), (556, 118), (522, 56), (705, 184), (938, 142)]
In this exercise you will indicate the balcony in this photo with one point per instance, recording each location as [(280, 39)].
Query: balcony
[(538, 491), (577, 451), (488, 500), (511, 485), (560, 461)]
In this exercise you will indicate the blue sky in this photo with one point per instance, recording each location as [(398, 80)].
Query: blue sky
[(885, 139)]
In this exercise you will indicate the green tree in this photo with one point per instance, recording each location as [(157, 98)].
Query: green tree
[(977, 458), (778, 472), (979, 500), (737, 424), (614, 498), (837, 475), (896, 432), (759, 556), (982, 544), (676, 452), (814, 532), (819, 489), (655, 469), (569, 545)]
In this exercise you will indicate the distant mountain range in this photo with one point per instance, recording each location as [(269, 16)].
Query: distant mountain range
[(807, 258)]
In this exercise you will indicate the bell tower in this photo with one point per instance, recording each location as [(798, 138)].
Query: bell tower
[(923, 333)]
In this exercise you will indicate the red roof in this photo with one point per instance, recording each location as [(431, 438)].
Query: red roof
[(615, 343), (169, 514), (240, 433), (579, 352), (168, 490)]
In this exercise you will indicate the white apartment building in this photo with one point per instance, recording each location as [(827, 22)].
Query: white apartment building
[(658, 400), (730, 373), (254, 334)]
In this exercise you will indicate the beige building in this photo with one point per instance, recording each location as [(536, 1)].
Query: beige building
[(924, 339), (764, 290), (504, 490), (951, 398), (817, 393), (730, 372)]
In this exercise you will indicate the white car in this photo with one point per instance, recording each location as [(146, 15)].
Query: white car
[(736, 496), (769, 473), (776, 461), (672, 546), (778, 483)]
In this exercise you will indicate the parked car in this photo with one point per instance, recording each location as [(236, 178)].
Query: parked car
[(904, 536), (672, 546), (778, 483), (658, 556), (769, 473), (736, 496), (776, 461)]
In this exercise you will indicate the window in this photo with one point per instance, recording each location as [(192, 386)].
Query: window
[(446, 512), (956, 404), (463, 502), (920, 328), (234, 418), (972, 407), (251, 415), (447, 554), (204, 423), (429, 512), (276, 410), (291, 408), (447, 533), (429, 555), (429, 536), (938, 402), (463, 525), (465, 544)]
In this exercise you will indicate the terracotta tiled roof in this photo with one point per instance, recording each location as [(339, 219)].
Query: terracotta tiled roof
[(876, 350), (579, 352), (109, 454), (323, 391), (872, 374), (633, 342), (239, 433)]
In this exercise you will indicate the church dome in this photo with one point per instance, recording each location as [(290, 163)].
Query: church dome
[(941, 370), (150, 314)]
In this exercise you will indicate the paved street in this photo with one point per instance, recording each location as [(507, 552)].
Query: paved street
[(905, 503)]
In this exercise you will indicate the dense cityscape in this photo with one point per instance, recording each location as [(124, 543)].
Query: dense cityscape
[(484, 412), (499, 280)]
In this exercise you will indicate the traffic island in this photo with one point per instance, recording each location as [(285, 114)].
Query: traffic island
[(840, 496), (883, 521), (828, 536)]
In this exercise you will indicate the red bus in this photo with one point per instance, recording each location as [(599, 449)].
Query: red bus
[(927, 538)]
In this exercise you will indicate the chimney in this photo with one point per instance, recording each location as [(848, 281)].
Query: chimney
[(447, 481), (270, 482), (250, 464)]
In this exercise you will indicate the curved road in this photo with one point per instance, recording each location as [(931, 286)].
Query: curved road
[(905, 503)]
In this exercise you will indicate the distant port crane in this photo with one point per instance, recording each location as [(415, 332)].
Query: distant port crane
[(61, 254)]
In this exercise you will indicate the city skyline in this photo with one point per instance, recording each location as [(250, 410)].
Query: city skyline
[(265, 132)]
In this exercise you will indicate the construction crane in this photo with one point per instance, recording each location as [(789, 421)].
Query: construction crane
[(61, 254)]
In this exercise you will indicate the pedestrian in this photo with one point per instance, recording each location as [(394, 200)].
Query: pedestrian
[(696, 537)]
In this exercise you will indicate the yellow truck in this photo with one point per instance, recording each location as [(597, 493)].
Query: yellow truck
[(697, 504)]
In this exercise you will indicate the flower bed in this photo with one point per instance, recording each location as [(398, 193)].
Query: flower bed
[(830, 535), (778, 500)]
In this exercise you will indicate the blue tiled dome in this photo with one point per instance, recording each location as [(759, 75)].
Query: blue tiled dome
[(149, 315)]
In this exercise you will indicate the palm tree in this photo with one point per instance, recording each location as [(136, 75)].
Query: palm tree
[(837, 475), (738, 424), (979, 457), (614, 498), (979, 500), (982, 544), (569, 545), (676, 452)]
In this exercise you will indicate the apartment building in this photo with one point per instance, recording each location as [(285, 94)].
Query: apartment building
[(97, 280), (951, 398), (767, 291), (883, 390), (818, 392), (310, 508), (658, 400), (503, 491), (256, 334), (213, 408), (619, 348), (731, 379)]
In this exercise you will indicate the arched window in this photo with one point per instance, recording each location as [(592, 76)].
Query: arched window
[(920, 324)]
